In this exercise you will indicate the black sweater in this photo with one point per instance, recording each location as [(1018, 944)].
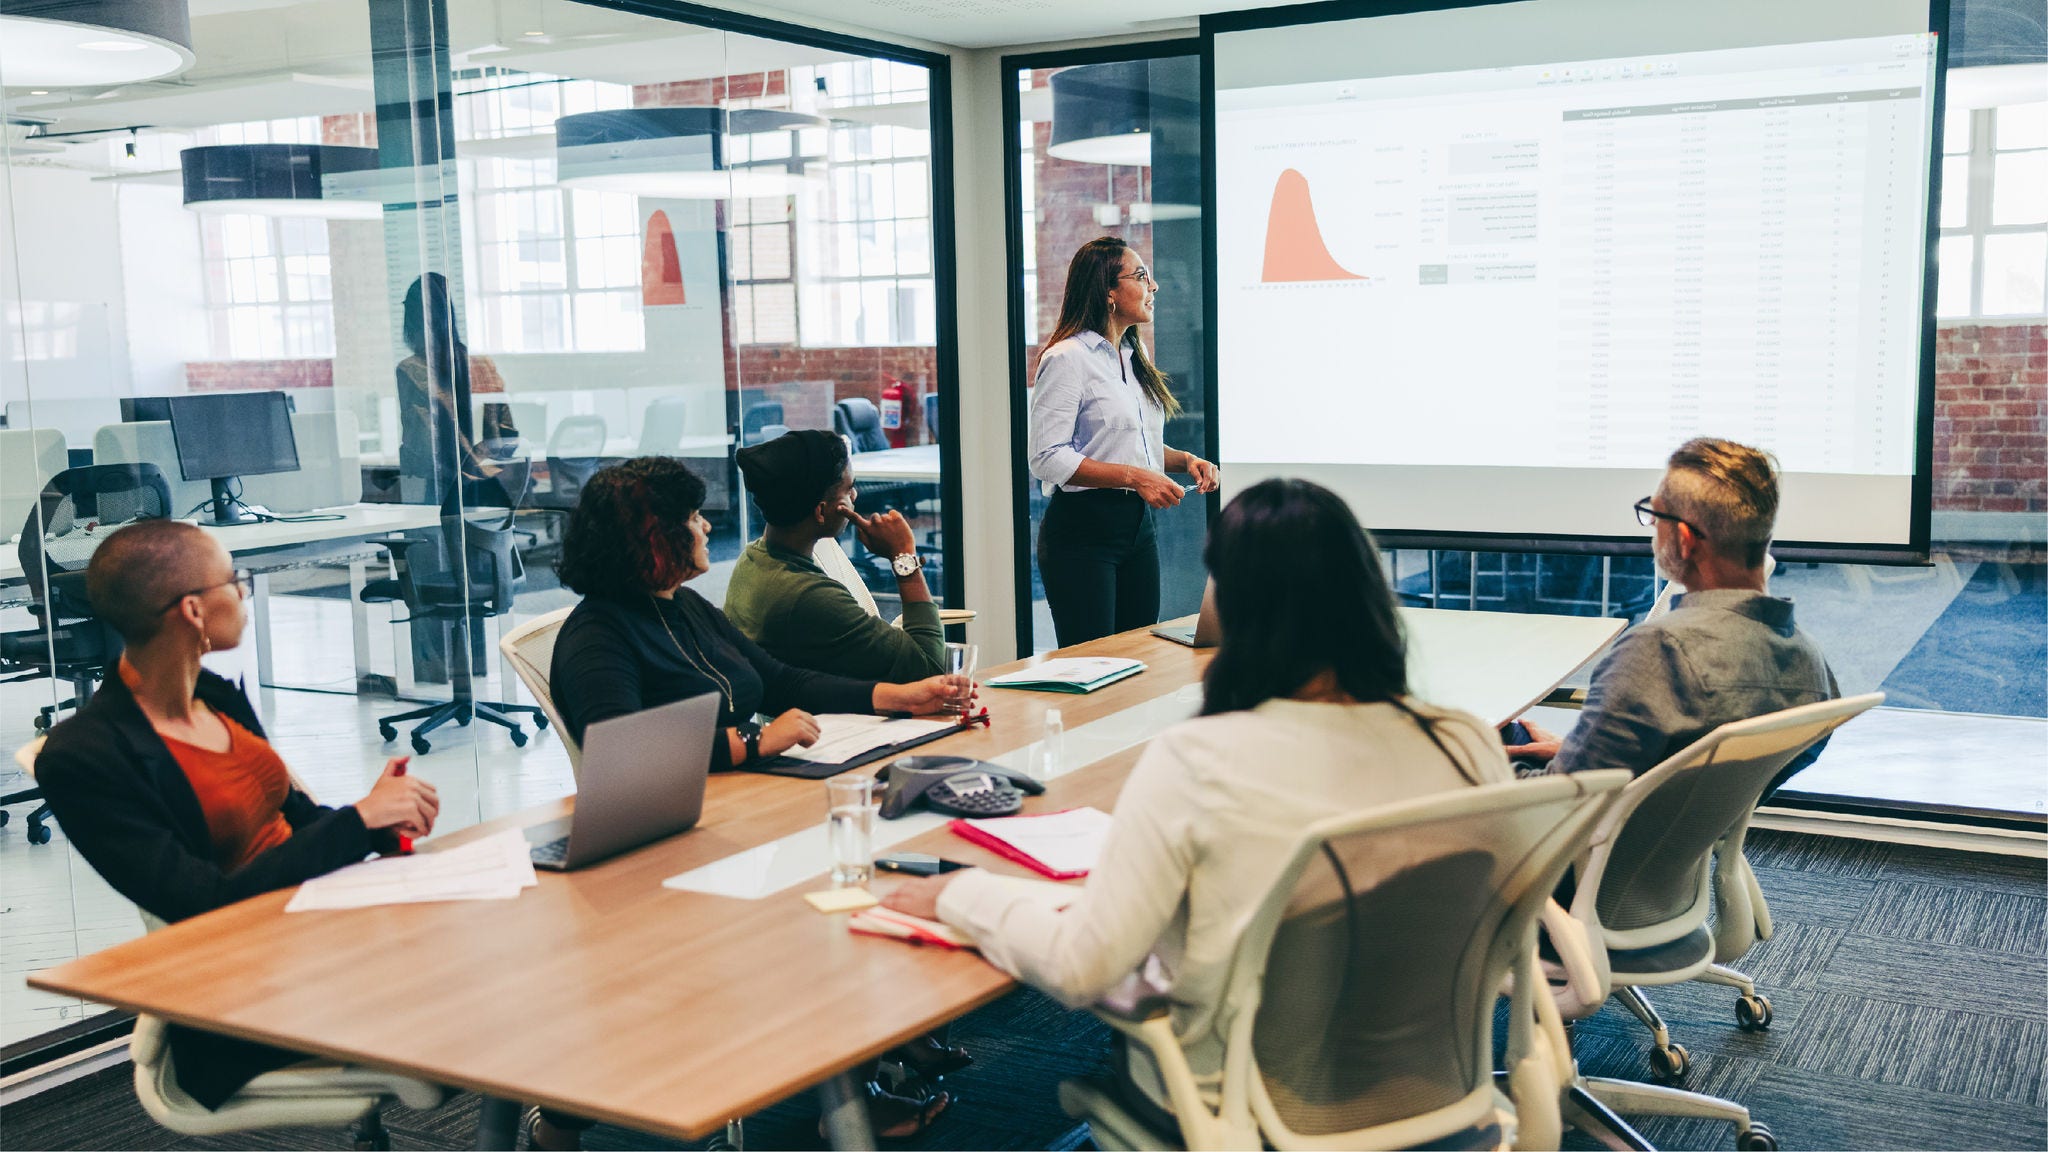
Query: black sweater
[(127, 808), (614, 658)]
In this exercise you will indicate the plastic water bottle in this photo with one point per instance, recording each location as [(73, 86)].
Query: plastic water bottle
[(1051, 746)]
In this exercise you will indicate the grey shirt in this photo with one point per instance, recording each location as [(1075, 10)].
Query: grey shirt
[(1718, 656)]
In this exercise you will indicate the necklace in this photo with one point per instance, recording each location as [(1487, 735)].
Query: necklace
[(699, 661)]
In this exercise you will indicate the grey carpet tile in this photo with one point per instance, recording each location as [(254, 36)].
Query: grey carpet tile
[(1702, 1018), (1823, 1110), (1820, 855), (2027, 875), (1995, 1058), (1725, 1077), (1795, 956), (1940, 976), (1814, 898), (1985, 919)]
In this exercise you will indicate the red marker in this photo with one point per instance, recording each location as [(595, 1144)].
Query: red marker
[(404, 841)]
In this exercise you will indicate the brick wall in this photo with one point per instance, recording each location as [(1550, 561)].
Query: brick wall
[(1991, 418), (710, 91), (248, 375), (854, 372)]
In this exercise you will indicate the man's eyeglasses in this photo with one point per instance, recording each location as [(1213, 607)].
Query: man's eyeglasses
[(1143, 273), (1648, 517), (243, 580)]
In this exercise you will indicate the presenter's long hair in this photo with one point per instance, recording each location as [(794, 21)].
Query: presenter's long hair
[(1091, 277), (1299, 588)]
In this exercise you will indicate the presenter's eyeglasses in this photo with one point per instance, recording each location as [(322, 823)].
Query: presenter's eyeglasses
[(1648, 517), (1143, 273)]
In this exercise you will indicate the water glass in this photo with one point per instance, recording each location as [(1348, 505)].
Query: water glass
[(850, 804), (960, 661)]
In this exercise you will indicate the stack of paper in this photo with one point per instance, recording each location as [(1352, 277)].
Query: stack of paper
[(903, 926), (1069, 674), (844, 736), (493, 868), (1062, 845)]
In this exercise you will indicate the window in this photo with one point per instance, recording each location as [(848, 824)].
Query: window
[(759, 252), (549, 269), (268, 293), (1994, 213)]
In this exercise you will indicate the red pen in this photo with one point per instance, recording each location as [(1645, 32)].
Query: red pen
[(404, 841)]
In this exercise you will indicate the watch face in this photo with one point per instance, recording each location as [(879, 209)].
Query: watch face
[(905, 564)]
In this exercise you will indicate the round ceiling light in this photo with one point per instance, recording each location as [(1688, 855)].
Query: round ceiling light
[(1102, 114), (685, 153), (92, 43), (275, 180)]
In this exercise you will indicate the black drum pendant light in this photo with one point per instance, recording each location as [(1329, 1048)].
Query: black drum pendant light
[(275, 179), (1102, 114), (92, 43), (685, 153)]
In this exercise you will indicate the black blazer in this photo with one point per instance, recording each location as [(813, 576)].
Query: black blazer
[(127, 808)]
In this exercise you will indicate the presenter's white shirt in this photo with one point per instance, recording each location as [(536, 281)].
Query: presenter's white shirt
[(1201, 831), (1088, 403)]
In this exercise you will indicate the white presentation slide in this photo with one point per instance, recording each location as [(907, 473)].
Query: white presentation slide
[(1494, 298)]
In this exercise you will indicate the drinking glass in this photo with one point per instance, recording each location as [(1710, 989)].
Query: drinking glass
[(960, 661), (850, 805)]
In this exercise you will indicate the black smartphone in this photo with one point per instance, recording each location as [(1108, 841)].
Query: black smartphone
[(916, 864)]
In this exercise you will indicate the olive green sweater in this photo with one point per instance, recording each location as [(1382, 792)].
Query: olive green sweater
[(788, 605)]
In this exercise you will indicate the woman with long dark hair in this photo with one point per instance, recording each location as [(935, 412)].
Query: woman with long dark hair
[(1098, 426), (1306, 715), (436, 437)]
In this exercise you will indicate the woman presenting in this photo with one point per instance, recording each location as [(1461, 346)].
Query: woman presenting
[(1098, 421)]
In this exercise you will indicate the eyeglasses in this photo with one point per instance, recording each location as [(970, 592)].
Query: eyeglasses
[(243, 580), (1648, 517), (1143, 273)]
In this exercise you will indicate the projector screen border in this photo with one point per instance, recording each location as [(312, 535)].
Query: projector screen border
[(1913, 552)]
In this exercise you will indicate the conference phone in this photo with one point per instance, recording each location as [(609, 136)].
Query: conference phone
[(955, 785)]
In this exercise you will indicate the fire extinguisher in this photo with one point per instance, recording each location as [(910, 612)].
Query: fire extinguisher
[(892, 412)]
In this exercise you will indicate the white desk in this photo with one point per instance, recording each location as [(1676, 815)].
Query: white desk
[(918, 464)]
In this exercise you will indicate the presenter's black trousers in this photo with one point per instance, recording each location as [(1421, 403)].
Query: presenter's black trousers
[(1098, 556)]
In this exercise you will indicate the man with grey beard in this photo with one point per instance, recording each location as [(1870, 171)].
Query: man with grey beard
[(1726, 651)]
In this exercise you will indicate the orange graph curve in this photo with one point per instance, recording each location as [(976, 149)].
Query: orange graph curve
[(1295, 251)]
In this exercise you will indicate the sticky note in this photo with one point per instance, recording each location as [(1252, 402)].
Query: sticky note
[(841, 899)]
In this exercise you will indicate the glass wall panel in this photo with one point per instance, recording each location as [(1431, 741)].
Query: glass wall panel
[(501, 246), (1141, 184)]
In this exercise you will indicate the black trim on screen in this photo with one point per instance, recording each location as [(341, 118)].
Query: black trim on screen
[(1914, 551), (1013, 235)]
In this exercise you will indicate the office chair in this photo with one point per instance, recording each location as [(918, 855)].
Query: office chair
[(857, 416), (757, 419), (662, 426), (931, 417), (1647, 880), (833, 559), (313, 1093), (1359, 1009), (530, 649), (575, 453), (76, 511), (470, 574)]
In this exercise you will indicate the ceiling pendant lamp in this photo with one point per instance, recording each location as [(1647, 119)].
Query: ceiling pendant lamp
[(1102, 114), (275, 180), (92, 43), (687, 153)]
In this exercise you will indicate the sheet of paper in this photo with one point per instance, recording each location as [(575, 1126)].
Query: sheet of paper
[(494, 868), (842, 736), (1075, 670), (1063, 841)]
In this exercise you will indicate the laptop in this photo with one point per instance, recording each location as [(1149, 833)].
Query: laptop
[(642, 780), (1205, 632)]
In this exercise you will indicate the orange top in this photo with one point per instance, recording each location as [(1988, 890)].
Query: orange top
[(241, 791)]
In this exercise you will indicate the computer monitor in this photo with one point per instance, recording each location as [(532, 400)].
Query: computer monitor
[(220, 437), (136, 409)]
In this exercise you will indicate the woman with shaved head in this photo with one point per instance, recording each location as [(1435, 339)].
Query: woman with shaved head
[(166, 785)]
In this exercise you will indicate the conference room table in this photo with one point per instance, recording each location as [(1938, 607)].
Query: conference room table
[(918, 464), (671, 1008)]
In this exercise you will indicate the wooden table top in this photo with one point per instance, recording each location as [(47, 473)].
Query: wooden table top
[(603, 994)]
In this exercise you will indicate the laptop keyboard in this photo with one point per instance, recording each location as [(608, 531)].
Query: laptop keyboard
[(552, 852)]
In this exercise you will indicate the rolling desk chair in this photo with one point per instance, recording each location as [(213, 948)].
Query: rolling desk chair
[(1359, 1010), (1647, 881), (662, 426), (758, 419), (76, 511), (530, 649), (575, 453), (832, 558)]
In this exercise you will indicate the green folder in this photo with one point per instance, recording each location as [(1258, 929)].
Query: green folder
[(1074, 674)]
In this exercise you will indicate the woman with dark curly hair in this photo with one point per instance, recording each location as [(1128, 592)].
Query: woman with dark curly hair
[(640, 639)]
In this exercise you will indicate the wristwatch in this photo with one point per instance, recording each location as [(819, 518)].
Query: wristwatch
[(750, 735), (908, 564)]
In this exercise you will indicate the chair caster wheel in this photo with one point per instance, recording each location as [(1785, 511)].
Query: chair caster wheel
[(1757, 1139), (4, 817), (1753, 1013), (387, 732), (420, 745), (42, 723), (540, 723), (462, 719), (38, 832), (1669, 1065), (518, 738)]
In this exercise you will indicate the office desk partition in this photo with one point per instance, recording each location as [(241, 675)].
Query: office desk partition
[(606, 995)]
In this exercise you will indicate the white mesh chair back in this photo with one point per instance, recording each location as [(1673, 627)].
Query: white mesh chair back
[(530, 649), (1650, 877), (29, 457), (832, 558), (1371, 972)]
